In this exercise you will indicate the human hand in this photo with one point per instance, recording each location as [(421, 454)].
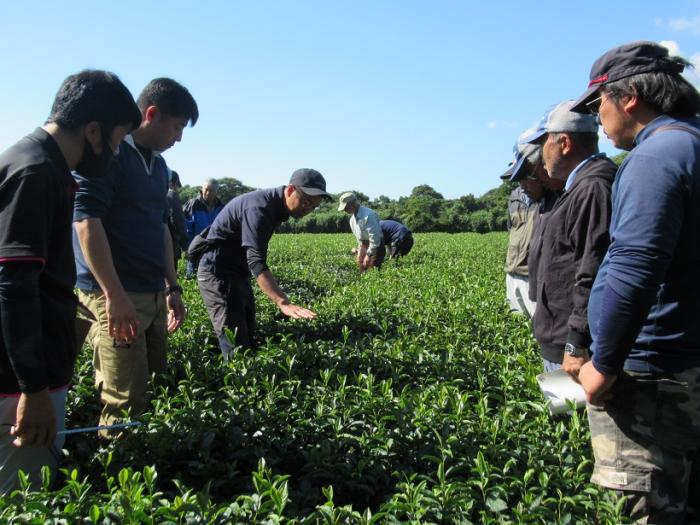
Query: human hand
[(35, 421), (176, 311), (572, 365), (596, 385), (296, 312), (122, 319)]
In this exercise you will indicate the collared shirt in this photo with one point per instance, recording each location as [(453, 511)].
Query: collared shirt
[(572, 176), (131, 202), (364, 223)]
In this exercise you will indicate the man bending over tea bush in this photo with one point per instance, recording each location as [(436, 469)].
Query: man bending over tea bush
[(236, 247)]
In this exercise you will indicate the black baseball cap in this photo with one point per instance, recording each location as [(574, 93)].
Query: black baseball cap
[(624, 61), (310, 182)]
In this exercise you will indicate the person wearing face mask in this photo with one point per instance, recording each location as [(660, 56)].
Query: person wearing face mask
[(91, 114), (127, 280)]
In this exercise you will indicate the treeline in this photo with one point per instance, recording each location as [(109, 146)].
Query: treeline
[(424, 210)]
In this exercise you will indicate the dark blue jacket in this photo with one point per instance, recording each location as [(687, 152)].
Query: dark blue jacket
[(198, 216), (651, 267)]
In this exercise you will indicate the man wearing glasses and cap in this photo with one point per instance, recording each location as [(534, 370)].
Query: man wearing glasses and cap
[(237, 247), (574, 236), (643, 382), (533, 196)]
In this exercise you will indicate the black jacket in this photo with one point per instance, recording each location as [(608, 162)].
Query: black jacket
[(574, 240)]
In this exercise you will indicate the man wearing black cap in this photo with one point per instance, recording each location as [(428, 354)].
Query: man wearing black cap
[(643, 382), (237, 247)]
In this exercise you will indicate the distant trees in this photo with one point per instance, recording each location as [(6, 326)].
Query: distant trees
[(228, 189), (424, 210)]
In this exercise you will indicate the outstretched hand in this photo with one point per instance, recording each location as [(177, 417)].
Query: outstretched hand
[(296, 312)]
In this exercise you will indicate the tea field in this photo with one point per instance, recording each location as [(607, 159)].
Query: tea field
[(411, 399)]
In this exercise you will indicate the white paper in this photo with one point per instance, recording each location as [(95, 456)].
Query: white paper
[(557, 387)]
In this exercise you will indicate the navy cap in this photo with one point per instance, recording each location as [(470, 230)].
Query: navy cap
[(624, 61), (310, 182), (523, 153)]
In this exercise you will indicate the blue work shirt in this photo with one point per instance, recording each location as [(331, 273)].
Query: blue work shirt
[(654, 255), (131, 202), (393, 231)]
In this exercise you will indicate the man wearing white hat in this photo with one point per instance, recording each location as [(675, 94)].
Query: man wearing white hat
[(364, 223)]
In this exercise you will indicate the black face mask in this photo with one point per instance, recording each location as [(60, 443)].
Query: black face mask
[(93, 165)]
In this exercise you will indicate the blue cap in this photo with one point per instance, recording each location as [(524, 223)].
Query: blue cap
[(523, 152)]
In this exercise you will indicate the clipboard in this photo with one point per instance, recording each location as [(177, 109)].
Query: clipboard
[(558, 387)]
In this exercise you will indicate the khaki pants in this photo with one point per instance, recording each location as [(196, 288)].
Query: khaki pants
[(123, 371)]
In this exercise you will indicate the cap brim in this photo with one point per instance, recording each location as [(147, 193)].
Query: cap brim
[(315, 192), (580, 105), (518, 171), (508, 174), (534, 138)]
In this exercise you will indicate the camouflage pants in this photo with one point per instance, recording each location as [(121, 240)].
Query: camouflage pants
[(646, 443)]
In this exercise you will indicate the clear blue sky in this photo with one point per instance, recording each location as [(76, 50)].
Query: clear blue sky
[(379, 96)]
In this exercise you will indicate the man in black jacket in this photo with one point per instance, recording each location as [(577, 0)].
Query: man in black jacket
[(574, 236)]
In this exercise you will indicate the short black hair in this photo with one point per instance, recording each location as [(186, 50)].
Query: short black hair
[(93, 95), (171, 98)]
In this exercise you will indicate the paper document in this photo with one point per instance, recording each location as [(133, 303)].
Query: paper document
[(557, 387)]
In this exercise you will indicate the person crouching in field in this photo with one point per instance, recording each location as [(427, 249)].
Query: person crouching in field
[(398, 239), (91, 114), (236, 247), (364, 223)]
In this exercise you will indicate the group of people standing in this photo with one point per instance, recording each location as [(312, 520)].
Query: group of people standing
[(604, 261)]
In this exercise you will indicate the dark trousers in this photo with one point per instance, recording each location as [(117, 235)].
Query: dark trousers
[(231, 306), (402, 247)]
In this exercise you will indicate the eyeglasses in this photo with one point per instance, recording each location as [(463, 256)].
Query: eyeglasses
[(593, 106), (306, 202)]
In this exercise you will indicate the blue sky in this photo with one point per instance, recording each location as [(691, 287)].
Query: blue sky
[(380, 96)]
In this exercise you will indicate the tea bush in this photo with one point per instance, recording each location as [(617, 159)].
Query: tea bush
[(411, 399)]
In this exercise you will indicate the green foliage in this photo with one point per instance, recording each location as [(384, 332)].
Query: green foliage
[(425, 210), (228, 189), (411, 399), (617, 159)]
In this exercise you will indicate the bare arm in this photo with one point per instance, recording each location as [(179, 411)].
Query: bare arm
[(121, 314), (269, 286)]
